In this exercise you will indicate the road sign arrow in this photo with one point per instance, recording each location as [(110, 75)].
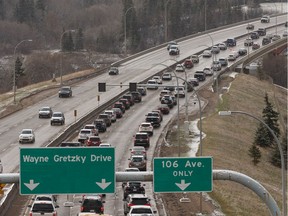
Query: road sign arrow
[(31, 185), (182, 185), (103, 184)]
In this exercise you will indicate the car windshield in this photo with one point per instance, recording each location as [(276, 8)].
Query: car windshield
[(145, 125), (65, 89), (141, 210), (141, 136), (140, 201), (57, 115), (137, 159), (85, 131), (94, 139), (45, 109), (42, 207), (26, 132)]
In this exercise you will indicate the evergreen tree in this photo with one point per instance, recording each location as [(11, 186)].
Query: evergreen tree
[(67, 42), (261, 136), (2, 10), (255, 153), (19, 70), (79, 40), (276, 158), (25, 11)]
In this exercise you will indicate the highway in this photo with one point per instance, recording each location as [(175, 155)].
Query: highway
[(120, 134)]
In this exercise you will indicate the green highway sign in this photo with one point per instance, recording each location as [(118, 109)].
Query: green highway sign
[(67, 170), (172, 175)]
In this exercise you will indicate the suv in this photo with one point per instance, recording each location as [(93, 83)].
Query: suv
[(254, 35), (130, 98), (154, 120), (188, 63), (174, 50), (200, 75), (92, 204), (136, 96), (138, 150), (93, 141), (146, 127), (141, 210), (230, 42), (93, 128), (65, 91), (152, 84), (27, 136), (45, 112), (120, 106), (261, 31), (265, 19), (141, 139), (57, 118), (195, 58), (142, 90), (133, 187), (100, 125), (248, 42), (135, 199), (113, 71), (158, 79), (125, 102), (112, 114), (266, 40), (138, 161), (84, 134), (106, 118), (171, 43), (166, 99), (43, 207), (215, 50), (216, 66), (223, 62)]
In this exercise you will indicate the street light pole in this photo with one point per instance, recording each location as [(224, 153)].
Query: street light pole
[(61, 57), (14, 75), (166, 21), (125, 34), (284, 207)]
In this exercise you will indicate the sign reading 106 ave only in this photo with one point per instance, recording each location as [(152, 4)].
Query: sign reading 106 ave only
[(172, 175), (67, 170)]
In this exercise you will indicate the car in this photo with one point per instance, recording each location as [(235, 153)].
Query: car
[(266, 40), (140, 210), (65, 91), (222, 46), (146, 127), (206, 54), (45, 112), (158, 79), (265, 19), (1, 167), (159, 113), (113, 71), (57, 118), (230, 42), (130, 169), (255, 46), (112, 114), (152, 84), (105, 145), (261, 31), (142, 139), (285, 33), (130, 98), (167, 99), (195, 81), (155, 113), (43, 207), (100, 125), (125, 102), (138, 150), (174, 50), (188, 63), (133, 187), (215, 49), (242, 51), (208, 72), (164, 108), (216, 66), (106, 118), (167, 76), (154, 120), (286, 24), (254, 35), (270, 36), (136, 96), (134, 200), (120, 106), (46, 197), (223, 61), (179, 92), (174, 99), (92, 203), (164, 92), (93, 128), (70, 144), (118, 112), (248, 42), (138, 161), (194, 58), (171, 43), (26, 136), (142, 90), (93, 141), (84, 134), (276, 37), (250, 26), (180, 68), (200, 75), (231, 57)]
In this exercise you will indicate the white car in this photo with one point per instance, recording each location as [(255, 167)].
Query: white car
[(105, 145), (45, 206), (27, 136), (180, 68), (167, 76), (84, 134), (216, 66), (158, 79), (222, 46), (93, 128), (146, 127), (215, 49), (140, 210), (208, 71), (285, 33), (112, 114), (181, 92), (207, 54), (152, 84), (248, 42)]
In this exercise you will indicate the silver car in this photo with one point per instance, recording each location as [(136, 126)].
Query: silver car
[(27, 136)]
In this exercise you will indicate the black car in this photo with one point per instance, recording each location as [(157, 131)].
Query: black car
[(126, 103), (262, 31), (45, 112), (92, 204), (142, 139), (254, 35), (164, 109), (200, 75), (133, 187), (119, 105), (65, 91), (167, 99), (106, 118), (266, 40), (113, 71), (100, 125), (154, 120), (130, 98), (137, 96), (142, 90), (242, 51)]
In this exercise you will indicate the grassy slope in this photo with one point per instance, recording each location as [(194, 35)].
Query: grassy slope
[(228, 140)]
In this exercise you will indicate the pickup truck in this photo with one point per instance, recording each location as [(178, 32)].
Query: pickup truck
[(43, 208)]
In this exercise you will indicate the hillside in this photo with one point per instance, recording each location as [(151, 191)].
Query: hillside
[(227, 140)]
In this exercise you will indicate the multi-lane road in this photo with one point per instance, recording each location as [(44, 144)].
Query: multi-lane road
[(120, 134)]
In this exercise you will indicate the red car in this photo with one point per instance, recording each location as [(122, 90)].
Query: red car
[(255, 46), (93, 141), (188, 63)]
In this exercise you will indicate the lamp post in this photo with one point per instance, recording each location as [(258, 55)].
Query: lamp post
[(284, 207), (125, 34), (166, 20), (61, 57), (205, 15), (14, 75)]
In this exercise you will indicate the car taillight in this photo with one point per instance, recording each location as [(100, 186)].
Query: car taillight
[(102, 209), (147, 204), (130, 204), (55, 214), (82, 209), (30, 214)]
